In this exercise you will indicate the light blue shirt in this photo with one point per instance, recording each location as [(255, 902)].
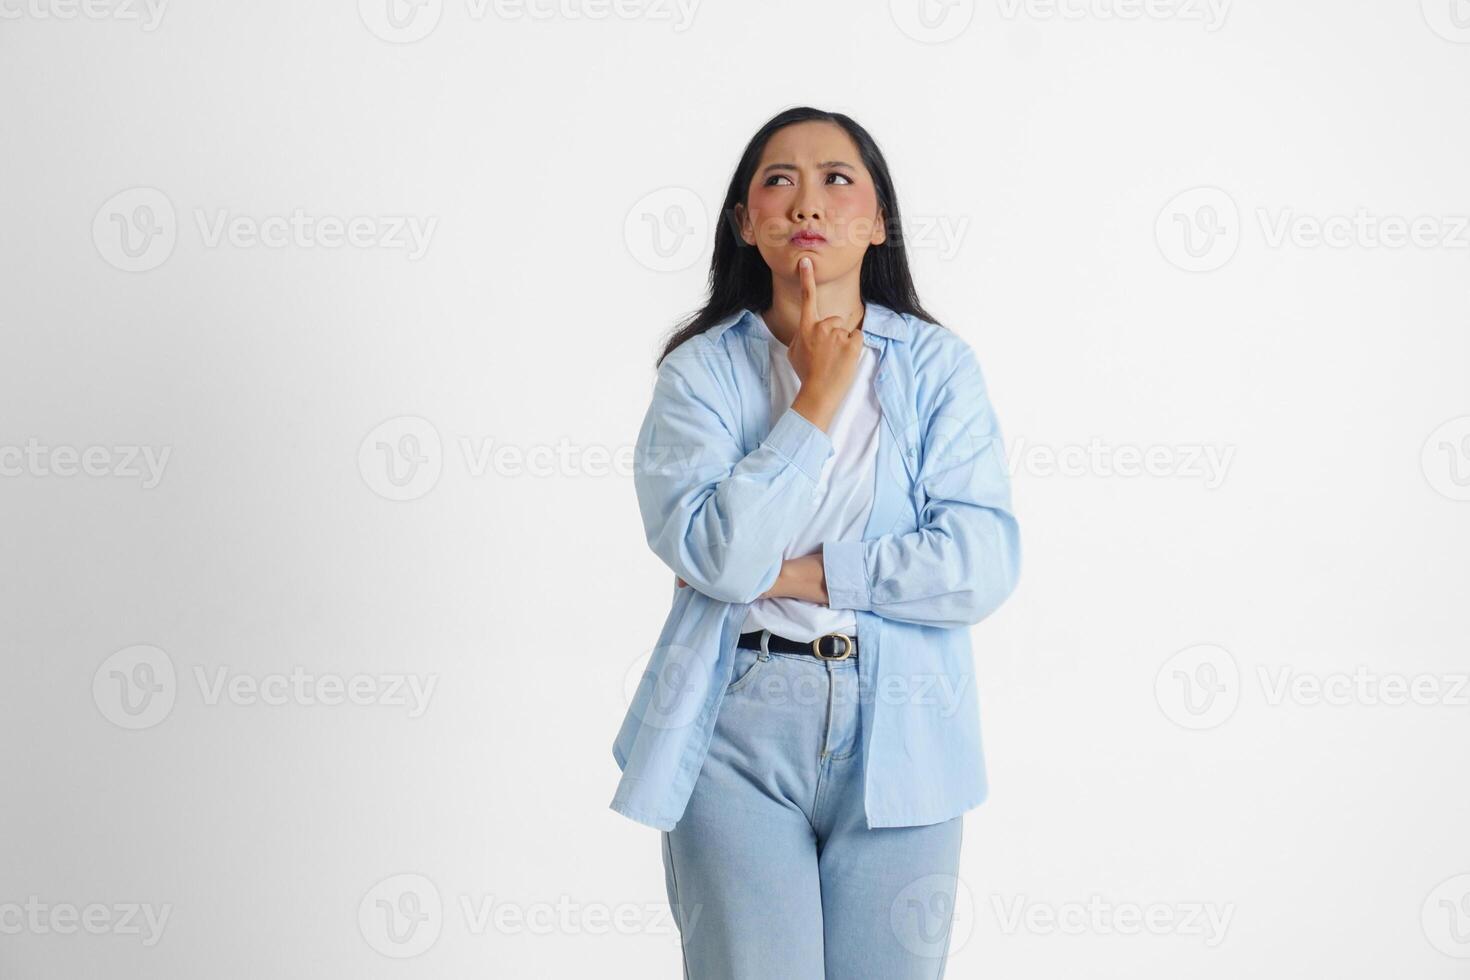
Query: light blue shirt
[(721, 489)]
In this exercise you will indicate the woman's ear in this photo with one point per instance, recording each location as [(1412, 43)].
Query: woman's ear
[(742, 222), (880, 229)]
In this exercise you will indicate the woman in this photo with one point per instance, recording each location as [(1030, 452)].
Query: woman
[(821, 469)]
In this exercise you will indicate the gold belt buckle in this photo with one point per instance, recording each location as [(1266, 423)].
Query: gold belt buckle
[(847, 646)]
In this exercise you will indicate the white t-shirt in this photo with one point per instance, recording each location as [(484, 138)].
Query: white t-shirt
[(846, 485)]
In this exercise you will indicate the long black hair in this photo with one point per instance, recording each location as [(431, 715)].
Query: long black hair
[(739, 276)]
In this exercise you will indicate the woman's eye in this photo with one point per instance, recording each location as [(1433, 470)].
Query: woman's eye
[(771, 180)]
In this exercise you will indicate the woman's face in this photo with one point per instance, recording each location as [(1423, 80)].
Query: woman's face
[(811, 195)]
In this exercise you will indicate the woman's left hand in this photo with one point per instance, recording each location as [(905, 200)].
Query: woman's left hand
[(799, 578)]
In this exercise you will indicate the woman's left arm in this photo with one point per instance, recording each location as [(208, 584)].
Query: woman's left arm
[(965, 557)]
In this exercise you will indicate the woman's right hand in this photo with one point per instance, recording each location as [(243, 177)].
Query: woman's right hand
[(824, 354)]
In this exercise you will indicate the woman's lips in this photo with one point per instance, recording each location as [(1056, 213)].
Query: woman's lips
[(808, 241)]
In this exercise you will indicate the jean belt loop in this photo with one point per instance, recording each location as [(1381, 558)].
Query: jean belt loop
[(765, 653)]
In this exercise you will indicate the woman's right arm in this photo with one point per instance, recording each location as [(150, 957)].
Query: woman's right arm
[(720, 518), (716, 516)]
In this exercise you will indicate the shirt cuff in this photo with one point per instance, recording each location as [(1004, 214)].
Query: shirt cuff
[(800, 441), (845, 565)]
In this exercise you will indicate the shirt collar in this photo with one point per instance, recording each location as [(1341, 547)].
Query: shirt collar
[(878, 320)]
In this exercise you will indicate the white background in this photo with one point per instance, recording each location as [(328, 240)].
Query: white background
[(566, 168)]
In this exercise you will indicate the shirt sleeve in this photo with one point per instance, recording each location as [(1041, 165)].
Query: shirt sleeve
[(719, 517), (965, 557)]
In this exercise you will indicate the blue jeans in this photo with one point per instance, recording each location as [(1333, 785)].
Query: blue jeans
[(772, 872)]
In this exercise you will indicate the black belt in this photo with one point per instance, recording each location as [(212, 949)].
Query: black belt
[(828, 646)]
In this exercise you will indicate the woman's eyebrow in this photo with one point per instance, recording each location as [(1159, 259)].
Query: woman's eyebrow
[(792, 166)]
